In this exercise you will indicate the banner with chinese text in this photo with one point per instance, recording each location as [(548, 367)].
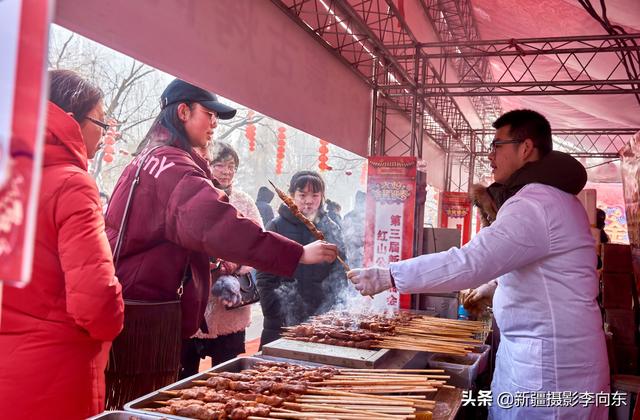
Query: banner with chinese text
[(391, 197), (24, 29), (456, 213)]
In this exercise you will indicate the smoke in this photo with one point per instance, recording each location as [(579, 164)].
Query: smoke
[(291, 309), (300, 300), (354, 306)]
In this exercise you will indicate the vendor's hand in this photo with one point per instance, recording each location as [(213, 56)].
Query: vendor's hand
[(318, 252), (227, 290), (478, 299), (370, 281)]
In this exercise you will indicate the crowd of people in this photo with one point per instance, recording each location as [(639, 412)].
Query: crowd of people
[(124, 303)]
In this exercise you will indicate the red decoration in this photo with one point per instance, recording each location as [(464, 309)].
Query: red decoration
[(250, 132), (110, 139), (323, 158), (282, 137)]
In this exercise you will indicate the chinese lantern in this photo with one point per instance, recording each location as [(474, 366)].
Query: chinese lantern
[(280, 150), (323, 158), (250, 132), (110, 139)]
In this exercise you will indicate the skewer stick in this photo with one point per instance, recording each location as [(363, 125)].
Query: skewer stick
[(172, 393), (353, 401), (394, 370), (314, 407), (377, 408)]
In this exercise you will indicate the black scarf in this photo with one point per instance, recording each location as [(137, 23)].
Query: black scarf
[(557, 169)]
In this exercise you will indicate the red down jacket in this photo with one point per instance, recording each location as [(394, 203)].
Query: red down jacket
[(56, 332), (178, 216)]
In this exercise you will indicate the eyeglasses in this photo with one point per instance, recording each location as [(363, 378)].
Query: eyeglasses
[(99, 123), (221, 167), (496, 142)]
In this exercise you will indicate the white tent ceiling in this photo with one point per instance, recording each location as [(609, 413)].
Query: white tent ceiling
[(249, 51), (505, 19)]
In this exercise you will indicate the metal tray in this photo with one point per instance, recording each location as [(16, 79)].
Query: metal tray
[(123, 415), (234, 365)]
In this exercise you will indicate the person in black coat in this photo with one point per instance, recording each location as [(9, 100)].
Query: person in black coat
[(313, 289), (265, 195)]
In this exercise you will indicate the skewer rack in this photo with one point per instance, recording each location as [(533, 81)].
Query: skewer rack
[(344, 356)]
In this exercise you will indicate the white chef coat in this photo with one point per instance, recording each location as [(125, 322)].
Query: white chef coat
[(551, 336)]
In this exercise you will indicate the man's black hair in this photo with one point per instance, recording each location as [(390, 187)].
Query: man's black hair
[(528, 124)]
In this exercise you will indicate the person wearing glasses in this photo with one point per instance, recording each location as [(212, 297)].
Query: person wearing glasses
[(540, 250), (55, 333), (225, 337), (175, 220)]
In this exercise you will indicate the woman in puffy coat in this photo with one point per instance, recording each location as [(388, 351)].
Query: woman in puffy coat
[(226, 327), (312, 289), (56, 332)]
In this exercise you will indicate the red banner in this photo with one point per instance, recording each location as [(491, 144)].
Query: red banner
[(456, 213), (23, 52), (391, 198)]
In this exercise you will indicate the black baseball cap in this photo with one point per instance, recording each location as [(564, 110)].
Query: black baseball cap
[(181, 91)]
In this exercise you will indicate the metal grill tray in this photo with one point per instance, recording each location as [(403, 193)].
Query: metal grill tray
[(235, 365), (123, 415)]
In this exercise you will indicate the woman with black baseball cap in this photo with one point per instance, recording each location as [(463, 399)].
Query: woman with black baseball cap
[(164, 221)]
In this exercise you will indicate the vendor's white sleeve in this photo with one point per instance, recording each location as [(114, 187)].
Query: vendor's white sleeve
[(519, 236)]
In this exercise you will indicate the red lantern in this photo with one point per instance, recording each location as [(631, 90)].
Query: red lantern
[(281, 149), (110, 139), (323, 158), (250, 132)]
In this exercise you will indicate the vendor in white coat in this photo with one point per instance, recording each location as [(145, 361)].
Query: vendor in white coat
[(541, 251)]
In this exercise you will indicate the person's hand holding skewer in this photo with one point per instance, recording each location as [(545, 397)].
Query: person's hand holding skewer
[(318, 252)]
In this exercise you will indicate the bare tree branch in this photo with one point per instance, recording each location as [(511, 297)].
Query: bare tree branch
[(56, 65), (237, 125)]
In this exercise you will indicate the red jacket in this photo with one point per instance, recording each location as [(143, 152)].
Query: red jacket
[(55, 333), (178, 215)]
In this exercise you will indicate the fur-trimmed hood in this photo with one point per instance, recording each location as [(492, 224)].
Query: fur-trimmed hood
[(557, 169)]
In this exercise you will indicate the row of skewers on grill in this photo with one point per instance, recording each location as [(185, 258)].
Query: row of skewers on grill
[(403, 331), (287, 391)]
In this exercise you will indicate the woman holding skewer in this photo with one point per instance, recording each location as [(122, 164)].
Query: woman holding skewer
[(312, 289), (164, 221)]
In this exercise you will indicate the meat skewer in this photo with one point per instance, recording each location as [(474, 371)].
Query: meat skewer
[(283, 390), (308, 223)]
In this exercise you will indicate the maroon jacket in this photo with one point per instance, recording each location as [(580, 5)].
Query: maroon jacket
[(177, 215)]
